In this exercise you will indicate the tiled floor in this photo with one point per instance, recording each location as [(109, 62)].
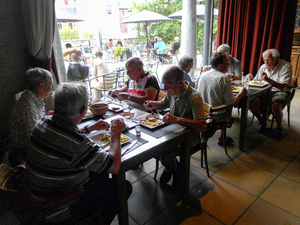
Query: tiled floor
[(258, 186)]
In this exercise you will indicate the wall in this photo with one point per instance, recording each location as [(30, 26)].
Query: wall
[(12, 62)]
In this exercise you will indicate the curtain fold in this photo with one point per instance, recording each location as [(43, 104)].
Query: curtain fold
[(252, 26), (39, 22)]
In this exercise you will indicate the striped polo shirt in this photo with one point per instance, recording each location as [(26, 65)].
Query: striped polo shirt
[(60, 156)]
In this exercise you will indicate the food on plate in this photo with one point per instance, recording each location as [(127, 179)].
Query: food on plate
[(115, 108), (148, 123), (105, 139), (235, 88), (257, 83), (152, 119)]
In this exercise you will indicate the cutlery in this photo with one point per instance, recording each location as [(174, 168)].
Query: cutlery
[(128, 148)]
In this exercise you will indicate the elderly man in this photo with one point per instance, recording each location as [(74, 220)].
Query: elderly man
[(215, 87), (61, 156), (140, 87), (76, 71), (278, 73), (186, 109), (28, 108), (175, 45), (234, 68)]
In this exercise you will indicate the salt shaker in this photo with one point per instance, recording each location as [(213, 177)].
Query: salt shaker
[(138, 130)]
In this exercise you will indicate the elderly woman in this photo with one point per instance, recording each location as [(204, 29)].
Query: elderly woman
[(186, 64)]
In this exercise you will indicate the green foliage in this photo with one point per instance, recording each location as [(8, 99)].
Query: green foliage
[(85, 35), (118, 50), (69, 34), (168, 30)]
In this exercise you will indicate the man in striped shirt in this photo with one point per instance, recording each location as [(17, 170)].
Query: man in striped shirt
[(61, 156)]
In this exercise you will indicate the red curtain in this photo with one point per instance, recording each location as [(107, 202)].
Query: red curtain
[(252, 26)]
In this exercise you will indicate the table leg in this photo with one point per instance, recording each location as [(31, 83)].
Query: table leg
[(244, 115), (185, 171), (122, 194)]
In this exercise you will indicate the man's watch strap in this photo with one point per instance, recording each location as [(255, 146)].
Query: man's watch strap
[(86, 129), (129, 97)]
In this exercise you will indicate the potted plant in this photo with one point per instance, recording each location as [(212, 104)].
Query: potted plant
[(117, 53), (126, 53)]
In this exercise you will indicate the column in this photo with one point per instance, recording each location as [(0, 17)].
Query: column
[(188, 31)]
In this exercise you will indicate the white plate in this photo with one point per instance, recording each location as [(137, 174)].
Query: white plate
[(97, 139)]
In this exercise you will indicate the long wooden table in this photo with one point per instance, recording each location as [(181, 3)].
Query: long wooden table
[(154, 147), (253, 93)]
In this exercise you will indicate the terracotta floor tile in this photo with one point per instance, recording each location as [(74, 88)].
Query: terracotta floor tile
[(201, 219), (268, 159), (293, 170), (285, 194), (285, 145), (225, 202), (246, 176), (264, 213)]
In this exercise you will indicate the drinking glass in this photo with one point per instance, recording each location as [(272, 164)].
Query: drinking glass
[(126, 109)]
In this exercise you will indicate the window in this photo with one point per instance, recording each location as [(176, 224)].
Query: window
[(71, 26)]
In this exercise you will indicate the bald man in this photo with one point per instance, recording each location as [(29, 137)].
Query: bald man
[(140, 87), (186, 109)]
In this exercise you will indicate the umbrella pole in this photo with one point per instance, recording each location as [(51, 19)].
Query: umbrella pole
[(146, 33)]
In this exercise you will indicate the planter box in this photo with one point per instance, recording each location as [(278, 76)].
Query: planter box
[(126, 55)]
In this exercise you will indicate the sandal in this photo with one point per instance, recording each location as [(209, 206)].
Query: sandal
[(229, 141), (230, 122)]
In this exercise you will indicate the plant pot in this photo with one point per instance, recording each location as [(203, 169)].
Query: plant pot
[(126, 55), (116, 58)]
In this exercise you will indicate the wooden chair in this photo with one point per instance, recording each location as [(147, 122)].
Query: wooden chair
[(30, 212)]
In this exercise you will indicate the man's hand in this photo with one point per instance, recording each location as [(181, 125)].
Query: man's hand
[(250, 75), (169, 118), (264, 76), (229, 75), (100, 125), (117, 125), (122, 96), (149, 104), (114, 92)]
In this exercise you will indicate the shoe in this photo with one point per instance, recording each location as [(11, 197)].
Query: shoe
[(229, 141), (279, 133), (230, 122), (176, 178), (165, 177)]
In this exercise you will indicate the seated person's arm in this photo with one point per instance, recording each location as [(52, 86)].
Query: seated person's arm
[(115, 145), (150, 94), (116, 92), (279, 85), (199, 125), (99, 125), (153, 105)]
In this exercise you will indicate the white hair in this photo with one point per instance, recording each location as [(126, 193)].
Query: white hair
[(224, 48), (274, 52), (176, 38)]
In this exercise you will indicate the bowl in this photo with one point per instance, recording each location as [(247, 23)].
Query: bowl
[(98, 108)]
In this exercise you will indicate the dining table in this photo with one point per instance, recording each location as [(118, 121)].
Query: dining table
[(150, 143), (254, 92)]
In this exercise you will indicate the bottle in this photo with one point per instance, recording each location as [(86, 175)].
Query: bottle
[(138, 130)]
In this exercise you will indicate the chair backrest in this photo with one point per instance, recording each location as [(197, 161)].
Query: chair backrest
[(221, 114)]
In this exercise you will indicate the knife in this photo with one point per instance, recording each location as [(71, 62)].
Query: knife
[(128, 148)]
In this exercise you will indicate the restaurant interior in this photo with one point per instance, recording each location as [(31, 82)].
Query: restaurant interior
[(256, 185)]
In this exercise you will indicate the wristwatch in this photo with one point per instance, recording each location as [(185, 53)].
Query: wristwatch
[(271, 82), (129, 97)]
